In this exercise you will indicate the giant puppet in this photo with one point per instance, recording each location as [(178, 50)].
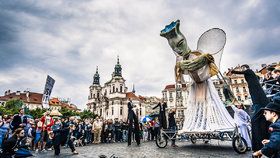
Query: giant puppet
[(205, 111)]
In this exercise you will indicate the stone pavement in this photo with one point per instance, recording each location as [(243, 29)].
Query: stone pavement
[(215, 149)]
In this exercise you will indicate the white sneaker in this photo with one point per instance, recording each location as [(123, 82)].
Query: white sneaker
[(36, 151)]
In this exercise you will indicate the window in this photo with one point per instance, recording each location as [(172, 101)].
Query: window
[(121, 110), (121, 89), (100, 112), (170, 95), (113, 88), (237, 90), (246, 97), (93, 95), (112, 110), (235, 81), (116, 89), (244, 89), (242, 81), (137, 112), (97, 94), (239, 98)]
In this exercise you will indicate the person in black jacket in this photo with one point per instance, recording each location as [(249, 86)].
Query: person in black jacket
[(19, 120), (272, 145), (172, 124), (132, 122), (162, 115), (10, 145), (259, 100)]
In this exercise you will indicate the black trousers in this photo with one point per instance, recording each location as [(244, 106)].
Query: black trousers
[(56, 143), (129, 135)]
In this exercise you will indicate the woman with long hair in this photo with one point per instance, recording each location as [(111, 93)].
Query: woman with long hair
[(13, 143)]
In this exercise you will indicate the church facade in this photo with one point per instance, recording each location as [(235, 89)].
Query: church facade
[(110, 100)]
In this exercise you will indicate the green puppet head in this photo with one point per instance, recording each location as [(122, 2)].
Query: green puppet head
[(176, 39)]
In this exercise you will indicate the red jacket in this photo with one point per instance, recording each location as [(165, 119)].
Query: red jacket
[(47, 126)]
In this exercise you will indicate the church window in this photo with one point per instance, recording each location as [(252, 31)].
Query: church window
[(116, 89), (244, 89), (121, 110), (237, 90), (121, 89), (112, 110), (170, 95), (239, 98), (113, 89)]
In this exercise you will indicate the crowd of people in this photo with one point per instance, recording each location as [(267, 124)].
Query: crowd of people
[(20, 131)]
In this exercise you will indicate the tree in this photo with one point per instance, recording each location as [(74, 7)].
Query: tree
[(67, 113), (14, 104), (87, 114), (11, 107), (37, 113)]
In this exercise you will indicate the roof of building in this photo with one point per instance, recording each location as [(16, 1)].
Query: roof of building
[(26, 97), (131, 95), (34, 98), (172, 86), (54, 101)]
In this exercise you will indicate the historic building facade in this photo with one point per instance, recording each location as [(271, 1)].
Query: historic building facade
[(176, 96), (32, 100), (110, 101), (238, 86)]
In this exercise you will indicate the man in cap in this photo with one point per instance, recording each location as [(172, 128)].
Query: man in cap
[(272, 145)]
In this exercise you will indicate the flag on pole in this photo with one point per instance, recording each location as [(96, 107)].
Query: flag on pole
[(47, 92)]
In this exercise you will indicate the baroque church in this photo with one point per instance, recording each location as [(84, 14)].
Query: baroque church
[(110, 101)]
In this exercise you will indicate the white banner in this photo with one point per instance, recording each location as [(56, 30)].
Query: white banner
[(47, 92)]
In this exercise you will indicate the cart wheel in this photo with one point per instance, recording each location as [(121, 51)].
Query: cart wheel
[(193, 140), (161, 141), (239, 145)]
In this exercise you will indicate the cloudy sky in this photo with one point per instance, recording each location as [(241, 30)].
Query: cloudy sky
[(67, 39)]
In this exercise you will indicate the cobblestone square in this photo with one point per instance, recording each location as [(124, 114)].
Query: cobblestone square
[(150, 150)]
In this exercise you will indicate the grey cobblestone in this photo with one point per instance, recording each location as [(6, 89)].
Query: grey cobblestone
[(215, 149)]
